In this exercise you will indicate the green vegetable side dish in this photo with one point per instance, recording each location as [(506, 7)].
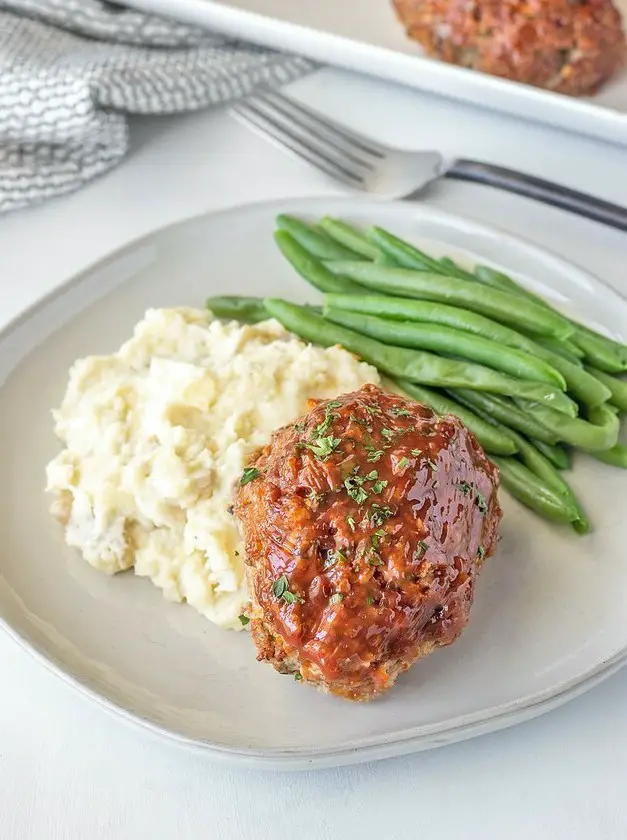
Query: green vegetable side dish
[(598, 433), (417, 366), (528, 382), (617, 387), (248, 310), (349, 237), (317, 242), (449, 342), (505, 307), (534, 493), (310, 268)]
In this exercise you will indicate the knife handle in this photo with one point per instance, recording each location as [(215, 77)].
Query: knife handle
[(549, 193)]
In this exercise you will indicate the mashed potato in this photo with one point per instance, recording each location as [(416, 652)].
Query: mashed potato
[(157, 435)]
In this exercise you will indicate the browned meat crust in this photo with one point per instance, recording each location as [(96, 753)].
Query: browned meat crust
[(366, 526), (568, 46)]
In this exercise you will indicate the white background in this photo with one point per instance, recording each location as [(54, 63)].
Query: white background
[(67, 770)]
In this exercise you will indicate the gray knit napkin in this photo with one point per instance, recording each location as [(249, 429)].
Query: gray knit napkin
[(71, 70)]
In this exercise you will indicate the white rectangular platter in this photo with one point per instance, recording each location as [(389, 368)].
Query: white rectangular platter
[(365, 36)]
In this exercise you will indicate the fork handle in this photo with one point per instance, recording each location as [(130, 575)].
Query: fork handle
[(531, 187)]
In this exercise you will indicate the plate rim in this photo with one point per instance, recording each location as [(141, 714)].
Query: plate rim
[(412, 739)]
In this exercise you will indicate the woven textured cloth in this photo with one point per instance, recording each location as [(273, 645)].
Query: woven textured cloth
[(72, 70)]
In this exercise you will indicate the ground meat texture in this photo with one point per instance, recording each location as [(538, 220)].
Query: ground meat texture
[(569, 46), (366, 524)]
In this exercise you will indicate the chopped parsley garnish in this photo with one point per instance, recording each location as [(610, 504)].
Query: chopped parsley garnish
[(323, 447), (280, 589), (350, 522), (416, 452), (249, 474), (290, 598), (481, 502), (388, 433), (373, 409), (403, 463), (481, 552), (333, 557), (421, 550), (279, 586), (369, 600), (373, 453), (354, 485), (380, 514), (466, 488), (315, 497), (329, 417), (243, 619), (336, 598), (376, 538), (299, 427), (374, 559), (354, 489), (400, 412), (298, 676), (354, 419)]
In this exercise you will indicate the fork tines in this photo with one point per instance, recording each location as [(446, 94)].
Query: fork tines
[(332, 148)]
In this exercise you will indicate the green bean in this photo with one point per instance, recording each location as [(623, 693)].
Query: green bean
[(385, 259), (566, 348), (501, 306), (424, 368), (349, 237), (317, 242), (505, 412), (498, 280), (586, 388), (449, 342), (403, 309), (533, 492), (604, 353), (601, 352), (249, 310), (598, 434), (451, 269), (545, 471), (494, 440), (615, 457), (617, 387), (404, 254), (311, 269), (583, 386), (558, 455)]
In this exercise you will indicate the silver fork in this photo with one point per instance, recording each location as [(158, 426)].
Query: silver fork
[(365, 165)]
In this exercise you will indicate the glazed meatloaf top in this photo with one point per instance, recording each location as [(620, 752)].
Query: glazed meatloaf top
[(570, 46), (366, 523)]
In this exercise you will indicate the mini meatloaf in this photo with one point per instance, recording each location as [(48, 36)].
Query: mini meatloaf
[(569, 46), (366, 524)]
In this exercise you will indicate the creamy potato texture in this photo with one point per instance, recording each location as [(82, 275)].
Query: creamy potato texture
[(157, 435)]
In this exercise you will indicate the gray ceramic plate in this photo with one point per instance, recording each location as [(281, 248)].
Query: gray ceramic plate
[(549, 620)]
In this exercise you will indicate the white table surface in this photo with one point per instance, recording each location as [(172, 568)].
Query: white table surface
[(67, 770)]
